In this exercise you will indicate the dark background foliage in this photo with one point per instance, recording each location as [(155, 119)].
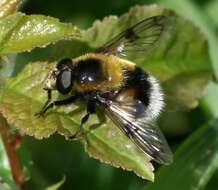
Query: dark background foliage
[(54, 158)]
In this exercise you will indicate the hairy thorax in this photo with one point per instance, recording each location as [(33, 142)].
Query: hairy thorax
[(96, 72)]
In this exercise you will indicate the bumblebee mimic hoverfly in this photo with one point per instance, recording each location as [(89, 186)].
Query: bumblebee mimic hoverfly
[(128, 95)]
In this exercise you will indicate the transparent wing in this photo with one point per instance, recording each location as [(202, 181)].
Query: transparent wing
[(138, 39), (131, 118)]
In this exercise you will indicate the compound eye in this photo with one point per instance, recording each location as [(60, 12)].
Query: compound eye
[(64, 63), (64, 81)]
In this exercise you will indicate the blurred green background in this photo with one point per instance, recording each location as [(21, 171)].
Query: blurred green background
[(54, 158)]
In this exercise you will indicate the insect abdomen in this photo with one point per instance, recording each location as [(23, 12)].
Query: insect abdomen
[(140, 85)]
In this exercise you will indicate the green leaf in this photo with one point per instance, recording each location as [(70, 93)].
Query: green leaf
[(4, 165), (7, 65), (191, 11), (213, 183), (194, 162), (210, 100), (8, 7), (20, 32), (212, 8), (57, 185), (181, 62), (207, 23), (5, 181)]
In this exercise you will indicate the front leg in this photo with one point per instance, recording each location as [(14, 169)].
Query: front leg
[(47, 106), (49, 98)]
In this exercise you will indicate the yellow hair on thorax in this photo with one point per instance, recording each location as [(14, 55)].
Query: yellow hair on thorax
[(113, 69)]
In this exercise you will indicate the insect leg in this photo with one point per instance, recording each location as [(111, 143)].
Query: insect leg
[(90, 110), (56, 103), (49, 98), (102, 119), (85, 118)]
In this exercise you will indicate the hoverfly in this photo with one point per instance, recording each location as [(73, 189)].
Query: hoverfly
[(128, 95)]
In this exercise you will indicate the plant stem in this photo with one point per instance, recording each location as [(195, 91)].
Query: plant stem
[(10, 147)]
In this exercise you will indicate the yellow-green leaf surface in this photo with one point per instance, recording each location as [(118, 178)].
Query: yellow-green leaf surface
[(20, 32), (8, 7), (180, 62)]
